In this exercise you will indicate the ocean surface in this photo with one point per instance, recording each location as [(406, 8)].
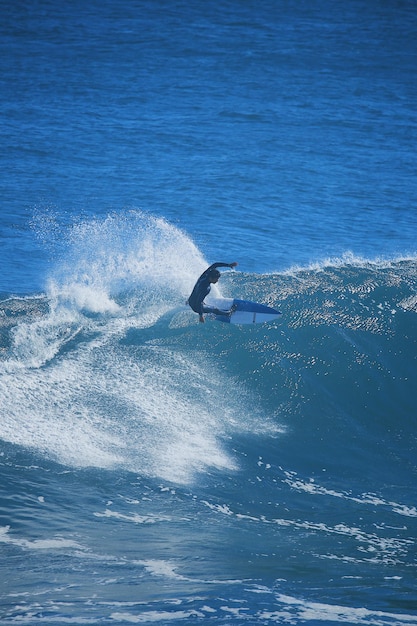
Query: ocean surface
[(155, 470)]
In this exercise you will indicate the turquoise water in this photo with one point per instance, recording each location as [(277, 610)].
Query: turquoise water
[(157, 470)]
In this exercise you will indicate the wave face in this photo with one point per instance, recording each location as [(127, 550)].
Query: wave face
[(283, 452)]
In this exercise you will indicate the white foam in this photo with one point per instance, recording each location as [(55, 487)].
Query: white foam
[(134, 517), (162, 617), (165, 569), (97, 406), (371, 547), (56, 543), (93, 298), (312, 487), (298, 609), (349, 259), (40, 340)]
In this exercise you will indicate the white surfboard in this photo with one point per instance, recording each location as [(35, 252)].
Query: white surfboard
[(245, 312)]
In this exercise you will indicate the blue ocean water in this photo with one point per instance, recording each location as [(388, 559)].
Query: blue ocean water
[(156, 470)]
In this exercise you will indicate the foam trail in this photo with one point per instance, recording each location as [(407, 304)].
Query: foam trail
[(106, 405)]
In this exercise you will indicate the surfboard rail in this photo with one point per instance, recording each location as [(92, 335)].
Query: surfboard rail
[(245, 312)]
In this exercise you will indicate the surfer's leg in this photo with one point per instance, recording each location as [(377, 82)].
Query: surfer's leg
[(215, 311)]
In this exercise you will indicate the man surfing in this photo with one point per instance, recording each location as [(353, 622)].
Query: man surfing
[(202, 289)]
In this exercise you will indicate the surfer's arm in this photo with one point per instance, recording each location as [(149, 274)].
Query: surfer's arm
[(215, 265)]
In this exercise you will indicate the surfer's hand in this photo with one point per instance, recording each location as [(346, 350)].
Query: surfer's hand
[(233, 264), (202, 319)]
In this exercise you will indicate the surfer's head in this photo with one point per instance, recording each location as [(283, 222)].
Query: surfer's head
[(214, 276)]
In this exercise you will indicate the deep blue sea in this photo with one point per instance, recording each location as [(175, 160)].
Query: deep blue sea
[(155, 470)]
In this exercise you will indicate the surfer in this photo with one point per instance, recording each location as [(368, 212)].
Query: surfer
[(202, 288)]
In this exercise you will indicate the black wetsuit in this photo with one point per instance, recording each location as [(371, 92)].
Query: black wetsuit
[(200, 291)]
